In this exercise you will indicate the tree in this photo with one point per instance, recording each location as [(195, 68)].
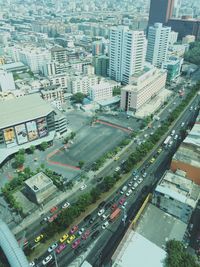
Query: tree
[(78, 97), (19, 160), (81, 163), (43, 146), (73, 134), (116, 90), (32, 149)]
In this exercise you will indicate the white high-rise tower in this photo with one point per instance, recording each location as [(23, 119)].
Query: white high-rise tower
[(127, 53), (158, 41)]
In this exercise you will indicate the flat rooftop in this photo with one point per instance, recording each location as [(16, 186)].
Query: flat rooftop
[(38, 181), (159, 227), (136, 250), (22, 109)]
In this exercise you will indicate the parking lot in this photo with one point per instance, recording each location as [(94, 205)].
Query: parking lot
[(90, 143)]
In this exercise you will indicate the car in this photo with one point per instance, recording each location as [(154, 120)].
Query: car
[(105, 225), (182, 124), (116, 158), (83, 187), (140, 180), (70, 239), (65, 205), (39, 238), (81, 231), (159, 150), (53, 209), (152, 160), (60, 248), (95, 234), (125, 204), (114, 206), (191, 108), (176, 137), (45, 220), (102, 204), (129, 192), (47, 260), (130, 183), (76, 243), (52, 247), (52, 218), (92, 220), (136, 177), (32, 264), (173, 132), (117, 169), (122, 200), (101, 212), (85, 235), (63, 238), (135, 184), (133, 188), (74, 229), (87, 218), (144, 175), (105, 216), (134, 173)]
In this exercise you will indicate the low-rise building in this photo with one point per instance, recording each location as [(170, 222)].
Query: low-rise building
[(101, 91), (173, 67), (82, 83), (188, 39), (176, 195), (52, 93), (39, 188), (6, 81), (60, 123), (59, 80), (144, 87)]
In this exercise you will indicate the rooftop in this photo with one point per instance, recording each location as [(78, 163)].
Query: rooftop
[(22, 109), (38, 181)]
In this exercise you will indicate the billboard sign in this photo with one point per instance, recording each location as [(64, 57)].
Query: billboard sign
[(42, 127), (9, 136), (32, 130), (21, 133)]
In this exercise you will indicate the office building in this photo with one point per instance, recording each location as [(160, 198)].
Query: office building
[(97, 48), (6, 81), (160, 11), (101, 65), (176, 195), (173, 66), (127, 53), (101, 91), (59, 54), (158, 41), (143, 88)]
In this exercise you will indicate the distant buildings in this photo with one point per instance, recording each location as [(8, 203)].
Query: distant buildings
[(160, 11), (82, 83), (6, 81), (158, 41), (176, 195), (144, 87), (127, 53), (59, 54)]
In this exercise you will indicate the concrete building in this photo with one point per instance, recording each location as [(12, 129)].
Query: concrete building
[(53, 92), (59, 80), (82, 84), (97, 48), (101, 65), (176, 195), (158, 41), (143, 88), (127, 53), (173, 37), (160, 11), (59, 54), (39, 188), (6, 81), (188, 39), (187, 156), (101, 91), (24, 121), (173, 67), (60, 123)]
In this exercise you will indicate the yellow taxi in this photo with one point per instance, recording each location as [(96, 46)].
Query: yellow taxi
[(70, 239), (63, 238), (39, 238)]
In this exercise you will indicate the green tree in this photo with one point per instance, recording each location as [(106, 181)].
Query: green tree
[(43, 146), (19, 160), (78, 98), (81, 163), (32, 149)]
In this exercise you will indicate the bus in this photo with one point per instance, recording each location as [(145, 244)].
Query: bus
[(115, 214)]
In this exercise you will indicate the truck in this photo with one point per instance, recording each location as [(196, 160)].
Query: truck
[(167, 140), (115, 214)]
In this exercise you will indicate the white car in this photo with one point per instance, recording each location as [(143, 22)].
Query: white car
[(135, 184), (80, 232), (104, 217), (83, 187), (140, 180), (125, 204), (32, 264), (105, 225), (129, 192), (101, 212), (144, 175), (52, 247), (130, 183), (65, 205), (47, 260), (182, 124), (176, 137)]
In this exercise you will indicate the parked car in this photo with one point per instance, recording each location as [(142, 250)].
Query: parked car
[(47, 260), (105, 225), (76, 244), (81, 231), (101, 212), (83, 187), (61, 248), (122, 200), (52, 247), (129, 192), (53, 209), (70, 239), (65, 205), (74, 229), (63, 238), (86, 234), (39, 238)]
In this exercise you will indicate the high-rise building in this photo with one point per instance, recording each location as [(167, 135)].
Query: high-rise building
[(160, 11), (127, 53), (158, 41), (101, 65)]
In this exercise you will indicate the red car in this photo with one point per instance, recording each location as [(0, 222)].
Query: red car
[(60, 248), (76, 243), (74, 229), (114, 206), (53, 209), (85, 235), (122, 200), (52, 218)]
